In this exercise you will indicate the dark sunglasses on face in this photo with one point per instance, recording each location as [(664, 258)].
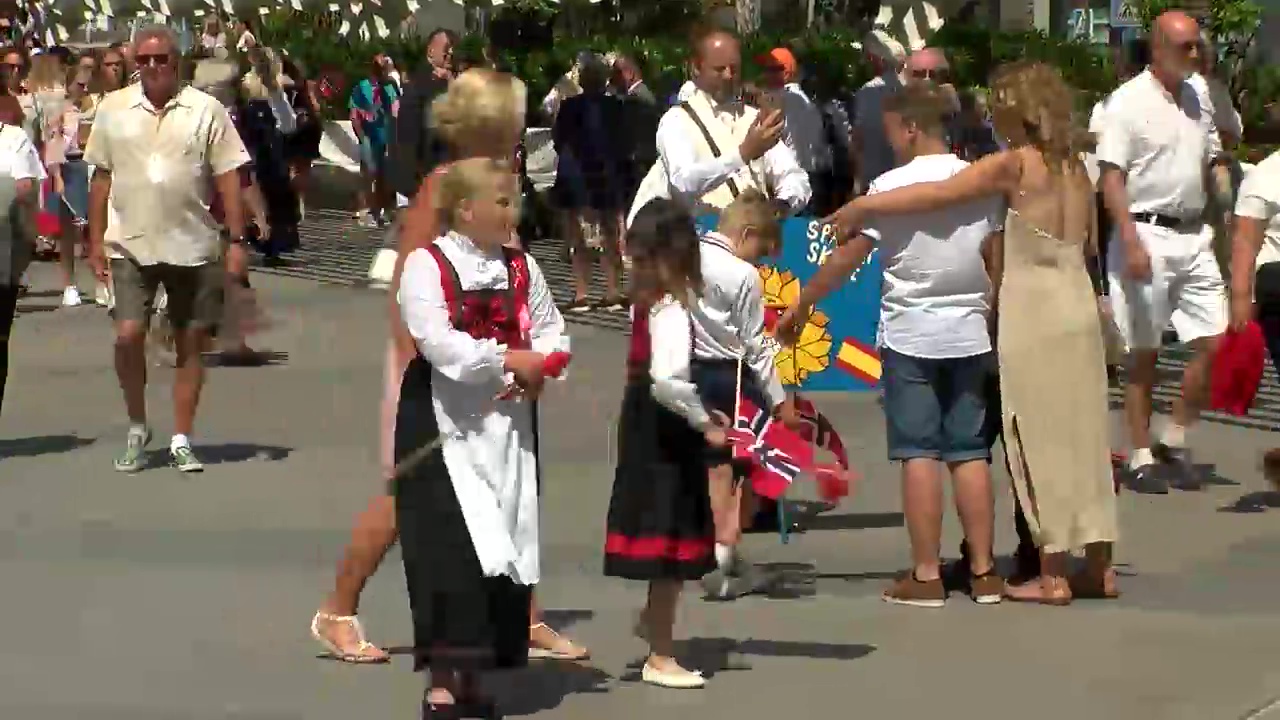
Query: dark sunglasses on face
[(927, 74), (147, 60)]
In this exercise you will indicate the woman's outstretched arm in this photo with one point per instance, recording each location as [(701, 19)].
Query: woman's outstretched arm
[(996, 174)]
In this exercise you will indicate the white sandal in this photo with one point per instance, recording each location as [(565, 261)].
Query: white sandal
[(540, 653), (361, 656)]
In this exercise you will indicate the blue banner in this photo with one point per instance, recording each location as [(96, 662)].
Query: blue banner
[(837, 348)]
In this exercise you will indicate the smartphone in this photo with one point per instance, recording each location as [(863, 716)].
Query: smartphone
[(768, 100)]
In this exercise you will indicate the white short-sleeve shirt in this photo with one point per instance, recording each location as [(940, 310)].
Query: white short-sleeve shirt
[(18, 157), (1162, 143), (935, 300), (1260, 199)]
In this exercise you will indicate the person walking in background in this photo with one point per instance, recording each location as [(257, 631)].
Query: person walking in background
[(69, 175), (873, 156), (806, 132), (415, 148), (302, 146), (591, 166), (1255, 273), (162, 233), (641, 112), (372, 102), (20, 177), (1162, 265), (267, 119), (1224, 173)]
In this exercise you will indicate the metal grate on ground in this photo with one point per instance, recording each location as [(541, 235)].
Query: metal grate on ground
[(338, 251)]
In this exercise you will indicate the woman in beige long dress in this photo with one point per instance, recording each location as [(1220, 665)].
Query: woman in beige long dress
[(1053, 378)]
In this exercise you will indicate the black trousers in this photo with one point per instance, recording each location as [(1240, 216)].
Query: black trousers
[(8, 308)]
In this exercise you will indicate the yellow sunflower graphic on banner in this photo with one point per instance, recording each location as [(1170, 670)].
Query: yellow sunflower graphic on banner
[(812, 352)]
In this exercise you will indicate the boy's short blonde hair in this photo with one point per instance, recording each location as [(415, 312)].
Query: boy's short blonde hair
[(467, 179), (480, 103), (753, 209)]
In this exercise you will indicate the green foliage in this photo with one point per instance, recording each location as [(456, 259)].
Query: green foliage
[(829, 56)]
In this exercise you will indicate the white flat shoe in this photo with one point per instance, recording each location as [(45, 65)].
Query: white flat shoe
[(676, 679)]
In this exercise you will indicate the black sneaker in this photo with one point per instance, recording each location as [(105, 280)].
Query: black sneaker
[(1183, 475), (1147, 480)]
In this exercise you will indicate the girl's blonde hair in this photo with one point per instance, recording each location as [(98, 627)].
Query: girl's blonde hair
[(48, 72), (480, 104), (1045, 105), (469, 178)]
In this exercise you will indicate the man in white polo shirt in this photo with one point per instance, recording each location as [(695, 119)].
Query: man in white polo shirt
[(1154, 152), (1255, 266)]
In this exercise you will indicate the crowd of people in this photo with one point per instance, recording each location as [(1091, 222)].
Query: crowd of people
[(988, 214)]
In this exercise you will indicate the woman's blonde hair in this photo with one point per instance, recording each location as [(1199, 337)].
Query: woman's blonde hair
[(1045, 107), (480, 104), (48, 72), (469, 178)]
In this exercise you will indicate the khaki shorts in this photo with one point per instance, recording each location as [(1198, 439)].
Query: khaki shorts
[(195, 293)]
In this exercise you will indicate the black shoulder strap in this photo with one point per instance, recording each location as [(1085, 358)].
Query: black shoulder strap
[(711, 143), (451, 284)]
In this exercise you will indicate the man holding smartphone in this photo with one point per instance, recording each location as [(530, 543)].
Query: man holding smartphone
[(714, 146)]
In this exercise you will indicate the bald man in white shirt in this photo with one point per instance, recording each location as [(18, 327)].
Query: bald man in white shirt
[(1154, 154)]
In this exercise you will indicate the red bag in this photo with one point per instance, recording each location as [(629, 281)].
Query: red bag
[(1237, 370), (48, 219)]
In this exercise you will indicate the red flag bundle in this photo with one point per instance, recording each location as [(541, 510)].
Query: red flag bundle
[(778, 455), (833, 480), (1237, 369)]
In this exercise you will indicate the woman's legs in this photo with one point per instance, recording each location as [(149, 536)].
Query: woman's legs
[(68, 239), (579, 253), (611, 257), (373, 535)]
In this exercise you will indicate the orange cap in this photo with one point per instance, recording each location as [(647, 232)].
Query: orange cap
[(780, 57)]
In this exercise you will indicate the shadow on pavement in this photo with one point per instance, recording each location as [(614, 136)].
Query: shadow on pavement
[(855, 521), (1253, 502), (260, 358), (722, 654), (240, 452), (42, 445), (544, 684), (561, 619)]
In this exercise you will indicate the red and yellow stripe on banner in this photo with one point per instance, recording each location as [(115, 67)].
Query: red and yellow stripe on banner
[(859, 360)]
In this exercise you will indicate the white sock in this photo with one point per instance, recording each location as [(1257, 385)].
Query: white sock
[(1174, 435), (179, 441), (135, 429), (724, 556), (1139, 457)]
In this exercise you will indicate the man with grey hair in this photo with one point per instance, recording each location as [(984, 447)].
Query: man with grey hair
[(871, 154), (160, 151)]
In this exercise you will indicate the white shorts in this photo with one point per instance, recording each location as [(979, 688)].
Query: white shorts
[(1185, 288)]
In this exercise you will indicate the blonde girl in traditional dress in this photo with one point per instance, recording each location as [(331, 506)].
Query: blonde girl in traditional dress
[(481, 115)]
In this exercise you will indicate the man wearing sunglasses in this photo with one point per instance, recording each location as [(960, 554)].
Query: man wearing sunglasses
[(1155, 146), (160, 151)]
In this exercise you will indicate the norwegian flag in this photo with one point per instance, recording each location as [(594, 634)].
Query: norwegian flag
[(778, 455)]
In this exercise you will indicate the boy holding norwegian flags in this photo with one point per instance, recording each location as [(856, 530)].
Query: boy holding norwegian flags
[(734, 368)]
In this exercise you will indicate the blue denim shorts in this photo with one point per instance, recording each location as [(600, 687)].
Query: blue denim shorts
[(75, 195), (937, 408)]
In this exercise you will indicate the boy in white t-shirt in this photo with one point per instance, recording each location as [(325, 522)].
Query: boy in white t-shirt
[(937, 358)]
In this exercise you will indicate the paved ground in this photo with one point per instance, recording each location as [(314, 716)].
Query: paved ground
[(160, 596)]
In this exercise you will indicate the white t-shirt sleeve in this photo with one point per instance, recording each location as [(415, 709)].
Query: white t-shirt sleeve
[(21, 161), (1115, 141), (1259, 195)]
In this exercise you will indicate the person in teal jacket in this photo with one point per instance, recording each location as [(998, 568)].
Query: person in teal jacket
[(374, 101)]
